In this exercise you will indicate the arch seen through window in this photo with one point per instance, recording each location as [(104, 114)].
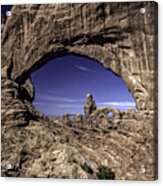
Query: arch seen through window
[(62, 84), (110, 115)]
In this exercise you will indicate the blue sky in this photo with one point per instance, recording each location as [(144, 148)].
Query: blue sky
[(62, 84)]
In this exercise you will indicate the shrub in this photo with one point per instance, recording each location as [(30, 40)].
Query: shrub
[(104, 173)]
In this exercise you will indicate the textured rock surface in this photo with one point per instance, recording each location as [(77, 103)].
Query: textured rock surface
[(89, 107), (114, 34)]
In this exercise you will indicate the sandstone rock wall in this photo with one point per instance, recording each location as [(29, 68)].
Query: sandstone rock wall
[(116, 35)]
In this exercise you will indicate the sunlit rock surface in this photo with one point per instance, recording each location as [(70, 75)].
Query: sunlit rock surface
[(119, 37)]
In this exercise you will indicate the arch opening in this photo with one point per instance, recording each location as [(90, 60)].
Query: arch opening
[(63, 83), (110, 115)]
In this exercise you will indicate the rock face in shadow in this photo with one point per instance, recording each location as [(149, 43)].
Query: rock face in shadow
[(120, 38)]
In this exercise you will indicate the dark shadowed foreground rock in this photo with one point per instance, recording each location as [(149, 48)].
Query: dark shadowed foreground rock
[(118, 37)]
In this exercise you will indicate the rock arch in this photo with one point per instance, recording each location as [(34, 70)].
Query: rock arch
[(100, 115), (41, 37), (116, 36)]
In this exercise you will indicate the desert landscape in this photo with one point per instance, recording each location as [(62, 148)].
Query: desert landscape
[(95, 144)]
